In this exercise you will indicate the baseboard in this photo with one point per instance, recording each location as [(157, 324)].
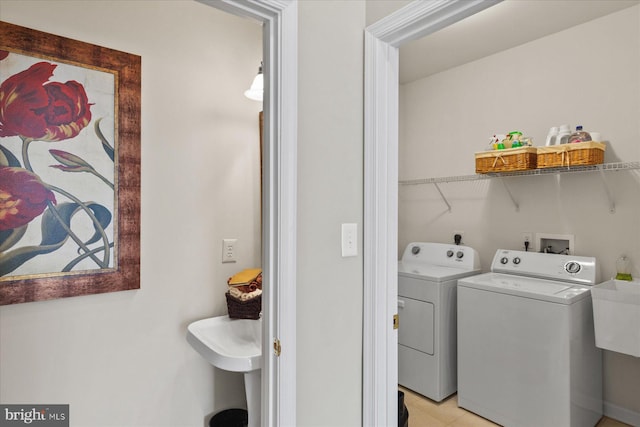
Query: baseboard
[(624, 415)]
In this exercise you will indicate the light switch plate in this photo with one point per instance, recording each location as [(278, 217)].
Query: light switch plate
[(349, 240)]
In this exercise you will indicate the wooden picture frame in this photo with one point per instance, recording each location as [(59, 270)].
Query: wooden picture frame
[(122, 271)]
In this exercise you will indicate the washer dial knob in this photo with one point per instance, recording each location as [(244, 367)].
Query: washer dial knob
[(516, 260), (572, 267), (415, 250), (504, 260), (459, 254), (449, 253)]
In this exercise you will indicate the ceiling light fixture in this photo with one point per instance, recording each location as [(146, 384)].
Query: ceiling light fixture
[(257, 87)]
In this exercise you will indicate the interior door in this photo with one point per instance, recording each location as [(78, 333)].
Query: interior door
[(279, 20)]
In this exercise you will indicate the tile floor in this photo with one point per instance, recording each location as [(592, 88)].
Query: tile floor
[(427, 413)]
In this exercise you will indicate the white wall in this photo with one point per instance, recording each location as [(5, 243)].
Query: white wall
[(378, 9), (330, 191), (587, 75), (121, 359)]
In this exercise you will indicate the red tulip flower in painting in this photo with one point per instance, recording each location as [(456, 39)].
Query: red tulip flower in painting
[(22, 197), (73, 232), (34, 108)]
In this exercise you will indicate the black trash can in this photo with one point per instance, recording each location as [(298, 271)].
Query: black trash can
[(403, 412), (230, 418)]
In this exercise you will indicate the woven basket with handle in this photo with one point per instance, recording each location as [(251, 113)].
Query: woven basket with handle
[(577, 154), (507, 160)]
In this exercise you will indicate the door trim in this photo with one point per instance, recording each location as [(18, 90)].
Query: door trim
[(279, 159), (380, 340)]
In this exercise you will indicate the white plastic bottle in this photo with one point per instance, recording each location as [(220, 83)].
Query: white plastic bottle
[(552, 136), (564, 131)]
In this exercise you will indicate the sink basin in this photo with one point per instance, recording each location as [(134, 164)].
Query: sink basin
[(616, 316), (233, 345), (229, 344)]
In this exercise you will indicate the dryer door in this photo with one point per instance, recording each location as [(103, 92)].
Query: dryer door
[(416, 324)]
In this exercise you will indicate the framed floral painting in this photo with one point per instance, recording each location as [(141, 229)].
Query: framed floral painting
[(69, 167)]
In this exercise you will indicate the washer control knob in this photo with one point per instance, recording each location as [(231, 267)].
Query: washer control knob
[(504, 260), (572, 267), (449, 253), (415, 250), (516, 260), (459, 254)]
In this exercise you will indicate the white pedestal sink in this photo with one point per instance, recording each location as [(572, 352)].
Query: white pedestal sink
[(233, 345)]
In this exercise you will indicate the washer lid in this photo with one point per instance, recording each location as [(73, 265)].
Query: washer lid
[(435, 273), (528, 287)]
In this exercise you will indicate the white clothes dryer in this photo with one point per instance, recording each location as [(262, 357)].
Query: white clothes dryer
[(427, 277), (526, 347)]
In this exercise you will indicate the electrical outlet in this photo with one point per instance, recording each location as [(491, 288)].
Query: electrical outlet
[(527, 236), (229, 250), (455, 236)]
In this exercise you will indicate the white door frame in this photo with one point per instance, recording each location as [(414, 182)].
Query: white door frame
[(279, 160), (380, 340)]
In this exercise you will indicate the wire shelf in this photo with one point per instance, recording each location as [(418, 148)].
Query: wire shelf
[(546, 171), (559, 170)]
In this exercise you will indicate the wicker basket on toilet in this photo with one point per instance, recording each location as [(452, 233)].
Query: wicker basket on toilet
[(244, 297)]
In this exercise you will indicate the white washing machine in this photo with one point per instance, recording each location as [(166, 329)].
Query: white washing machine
[(526, 347), (427, 277)]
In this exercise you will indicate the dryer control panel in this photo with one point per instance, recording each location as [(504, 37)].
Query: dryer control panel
[(441, 254)]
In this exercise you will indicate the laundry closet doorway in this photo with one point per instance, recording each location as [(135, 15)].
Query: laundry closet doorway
[(383, 40), (380, 341)]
